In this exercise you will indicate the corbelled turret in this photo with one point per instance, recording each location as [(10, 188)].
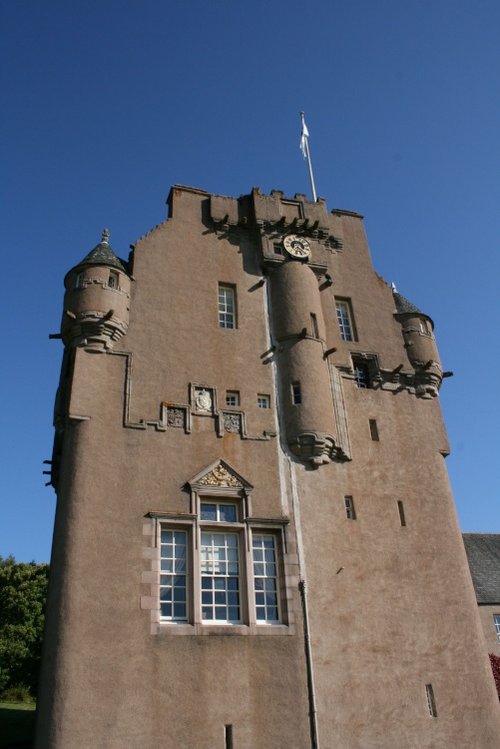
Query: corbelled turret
[(97, 298), (420, 346)]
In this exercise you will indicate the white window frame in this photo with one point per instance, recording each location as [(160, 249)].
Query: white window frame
[(263, 400), (496, 624), (345, 319), (172, 567), (245, 530), (227, 306), (232, 398)]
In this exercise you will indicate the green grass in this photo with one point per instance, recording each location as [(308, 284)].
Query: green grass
[(17, 723)]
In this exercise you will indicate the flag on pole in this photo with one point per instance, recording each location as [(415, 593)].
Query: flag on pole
[(306, 153), (303, 138)]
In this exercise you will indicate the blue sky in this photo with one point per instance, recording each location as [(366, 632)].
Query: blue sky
[(107, 103)]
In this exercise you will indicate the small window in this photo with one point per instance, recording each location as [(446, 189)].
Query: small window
[(361, 374), (425, 327), (263, 401), (401, 511), (78, 280), (314, 325), (496, 621), (232, 398), (113, 280), (374, 430), (345, 319), (219, 512), (227, 306), (296, 394), (431, 702), (349, 508), (278, 249)]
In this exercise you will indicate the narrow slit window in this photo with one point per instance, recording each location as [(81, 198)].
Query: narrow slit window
[(374, 430), (431, 701), (228, 736), (296, 394), (314, 325), (349, 508), (401, 511), (227, 306)]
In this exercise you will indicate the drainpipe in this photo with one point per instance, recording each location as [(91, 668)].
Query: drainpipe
[(313, 726)]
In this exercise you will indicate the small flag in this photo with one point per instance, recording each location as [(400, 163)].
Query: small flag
[(306, 153), (303, 138)]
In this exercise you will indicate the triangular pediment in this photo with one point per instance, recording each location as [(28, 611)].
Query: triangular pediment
[(219, 475)]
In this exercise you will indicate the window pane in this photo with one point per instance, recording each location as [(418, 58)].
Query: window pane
[(265, 578), (232, 398), (173, 586), (227, 306), (208, 512), (344, 320), (221, 578), (228, 513)]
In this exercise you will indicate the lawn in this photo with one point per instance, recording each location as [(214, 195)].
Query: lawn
[(17, 723)]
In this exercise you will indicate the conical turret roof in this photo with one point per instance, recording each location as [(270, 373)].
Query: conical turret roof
[(404, 306), (103, 254)]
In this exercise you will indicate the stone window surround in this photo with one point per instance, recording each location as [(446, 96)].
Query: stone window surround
[(246, 525)]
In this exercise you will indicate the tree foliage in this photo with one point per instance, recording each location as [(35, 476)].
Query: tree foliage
[(495, 667), (23, 592)]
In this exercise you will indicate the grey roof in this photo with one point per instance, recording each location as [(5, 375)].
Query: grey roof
[(404, 306), (483, 553), (103, 254)]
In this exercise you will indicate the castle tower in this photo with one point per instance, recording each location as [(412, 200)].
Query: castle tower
[(255, 540)]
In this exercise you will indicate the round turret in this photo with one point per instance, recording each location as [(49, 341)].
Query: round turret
[(420, 345), (299, 331), (97, 300)]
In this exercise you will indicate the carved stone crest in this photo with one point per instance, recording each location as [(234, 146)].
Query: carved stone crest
[(176, 417), (232, 423), (203, 400), (220, 476)]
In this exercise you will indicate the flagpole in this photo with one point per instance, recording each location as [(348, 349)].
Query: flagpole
[(307, 153)]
